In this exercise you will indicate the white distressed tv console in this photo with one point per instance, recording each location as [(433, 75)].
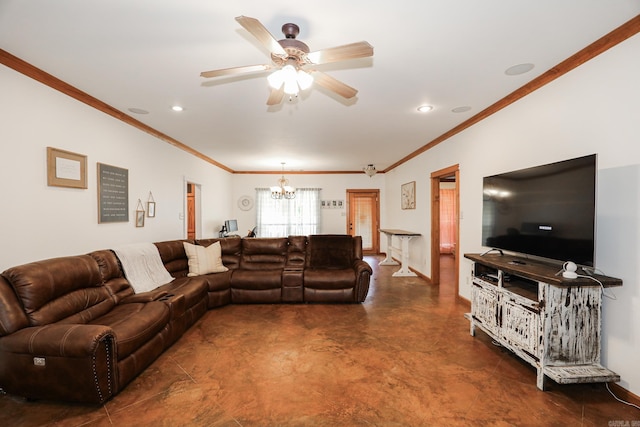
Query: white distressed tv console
[(551, 322)]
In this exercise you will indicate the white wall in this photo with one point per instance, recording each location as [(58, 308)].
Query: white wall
[(593, 109), (38, 221), (334, 187)]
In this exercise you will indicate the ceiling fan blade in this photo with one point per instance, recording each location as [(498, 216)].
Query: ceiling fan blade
[(234, 70), (263, 35), (276, 95), (333, 84), (341, 53)]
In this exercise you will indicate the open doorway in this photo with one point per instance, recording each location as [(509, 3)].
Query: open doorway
[(192, 209), (445, 227), (363, 218)]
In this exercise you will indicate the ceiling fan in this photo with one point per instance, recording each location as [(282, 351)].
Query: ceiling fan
[(291, 59)]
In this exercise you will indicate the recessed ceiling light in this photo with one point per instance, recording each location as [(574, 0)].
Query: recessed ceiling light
[(425, 108), (518, 69), (138, 111), (463, 109), (177, 108)]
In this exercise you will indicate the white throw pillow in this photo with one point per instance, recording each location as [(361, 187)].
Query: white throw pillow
[(204, 260)]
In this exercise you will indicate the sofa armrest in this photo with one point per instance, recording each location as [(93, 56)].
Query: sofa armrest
[(361, 266), (72, 362), (363, 277), (154, 295), (57, 340)]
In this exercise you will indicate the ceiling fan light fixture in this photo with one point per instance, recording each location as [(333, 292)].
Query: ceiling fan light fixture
[(291, 87), (305, 80), (275, 79)]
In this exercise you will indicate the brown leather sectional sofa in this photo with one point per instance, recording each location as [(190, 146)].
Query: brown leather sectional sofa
[(72, 328)]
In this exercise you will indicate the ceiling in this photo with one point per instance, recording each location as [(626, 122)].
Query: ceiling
[(148, 55)]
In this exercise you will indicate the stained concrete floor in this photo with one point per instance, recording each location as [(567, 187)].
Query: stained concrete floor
[(402, 358)]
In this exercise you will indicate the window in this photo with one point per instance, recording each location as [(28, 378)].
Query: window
[(281, 218)]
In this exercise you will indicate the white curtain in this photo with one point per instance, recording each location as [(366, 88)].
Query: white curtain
[(448, 220), (294, 217)]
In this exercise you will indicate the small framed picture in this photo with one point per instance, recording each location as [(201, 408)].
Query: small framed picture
[(408, 195), (139, 218), (151, 209)]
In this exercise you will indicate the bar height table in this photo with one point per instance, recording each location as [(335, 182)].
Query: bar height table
[(404, 237)]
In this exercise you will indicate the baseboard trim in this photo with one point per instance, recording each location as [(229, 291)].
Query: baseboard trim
[(420, 275)]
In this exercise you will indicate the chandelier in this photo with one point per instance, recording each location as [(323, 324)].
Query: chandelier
[(370, 170), (283, 190)]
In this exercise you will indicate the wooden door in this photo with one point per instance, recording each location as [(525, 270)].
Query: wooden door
[(363, 218), (191, 211)]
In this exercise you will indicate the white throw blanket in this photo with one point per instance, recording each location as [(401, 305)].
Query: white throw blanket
[(142, 266)]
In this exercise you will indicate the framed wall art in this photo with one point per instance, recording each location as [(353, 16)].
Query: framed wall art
[(66, 169), (139, 214), (408, 195), (113, 194), (151, 206)]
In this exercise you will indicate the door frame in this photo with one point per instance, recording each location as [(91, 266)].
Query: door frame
[(435, 224), (376, 226)]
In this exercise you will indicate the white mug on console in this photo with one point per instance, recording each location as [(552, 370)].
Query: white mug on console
[(569, 270)]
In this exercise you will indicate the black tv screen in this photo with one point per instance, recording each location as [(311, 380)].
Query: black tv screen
[(546, 211)]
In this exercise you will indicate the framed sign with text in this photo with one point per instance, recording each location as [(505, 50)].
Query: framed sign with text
[(113, 194)]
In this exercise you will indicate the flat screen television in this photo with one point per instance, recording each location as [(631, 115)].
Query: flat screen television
[(546, 211)]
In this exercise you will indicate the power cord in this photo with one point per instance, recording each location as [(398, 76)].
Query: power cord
[(604, 293), (618, 399), (589, 276)]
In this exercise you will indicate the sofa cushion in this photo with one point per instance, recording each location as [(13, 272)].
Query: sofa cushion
[(264, 253), (59, 288), (193, 289), (174, 257), (134, 324), (296, 253), (231, 248), (12, 318), (112, 276), (330, 251), (329, 278), (252, 279), (204, 260), (219, 281)]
